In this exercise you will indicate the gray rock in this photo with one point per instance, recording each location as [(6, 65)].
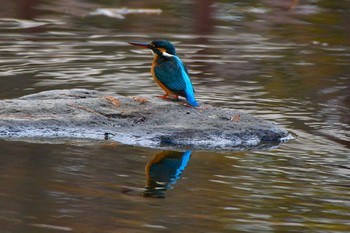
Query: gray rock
[(73, 115)]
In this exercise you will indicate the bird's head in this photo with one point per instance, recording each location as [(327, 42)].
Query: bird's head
[(159, 47)]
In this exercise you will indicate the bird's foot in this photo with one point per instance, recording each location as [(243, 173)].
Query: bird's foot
[(164, 96), (169, 97)]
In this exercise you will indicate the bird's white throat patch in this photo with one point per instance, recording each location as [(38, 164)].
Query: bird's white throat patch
[(165, 54)]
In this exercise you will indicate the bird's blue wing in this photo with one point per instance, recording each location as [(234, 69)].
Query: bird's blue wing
[(173, 74), (169, 73)]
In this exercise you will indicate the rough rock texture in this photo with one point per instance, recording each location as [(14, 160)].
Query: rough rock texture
[(77, 114)]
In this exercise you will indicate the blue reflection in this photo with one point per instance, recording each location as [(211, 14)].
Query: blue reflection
[(163, 171)]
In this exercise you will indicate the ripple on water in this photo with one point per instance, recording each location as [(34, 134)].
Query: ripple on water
[(13, 23), (259, 59)]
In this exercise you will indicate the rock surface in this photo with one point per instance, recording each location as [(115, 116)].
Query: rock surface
[(77, 114)]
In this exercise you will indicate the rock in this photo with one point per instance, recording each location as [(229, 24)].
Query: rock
[(61, 115)]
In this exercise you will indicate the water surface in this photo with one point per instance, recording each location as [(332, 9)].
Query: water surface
[(288, 66)]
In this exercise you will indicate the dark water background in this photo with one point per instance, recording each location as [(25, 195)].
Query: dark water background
[(290, 66)]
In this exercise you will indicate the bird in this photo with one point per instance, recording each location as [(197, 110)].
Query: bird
[(169, 72)]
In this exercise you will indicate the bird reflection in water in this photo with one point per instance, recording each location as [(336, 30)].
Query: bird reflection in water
[(163, 171)]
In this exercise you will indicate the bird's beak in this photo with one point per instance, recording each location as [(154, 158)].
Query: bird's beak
[(142, 45)]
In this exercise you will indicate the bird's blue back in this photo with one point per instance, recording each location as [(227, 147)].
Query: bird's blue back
[(171, 72)]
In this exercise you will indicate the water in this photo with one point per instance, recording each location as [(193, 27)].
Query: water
[(288, 66)]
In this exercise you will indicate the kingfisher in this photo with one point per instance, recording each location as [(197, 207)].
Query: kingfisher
[(169, 72)]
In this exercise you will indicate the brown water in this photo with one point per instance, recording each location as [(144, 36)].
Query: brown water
[(288, 66)]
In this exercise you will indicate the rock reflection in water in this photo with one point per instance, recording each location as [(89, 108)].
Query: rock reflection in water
[(163, 171)]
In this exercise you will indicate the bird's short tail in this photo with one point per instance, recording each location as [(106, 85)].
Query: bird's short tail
[(192, 101)]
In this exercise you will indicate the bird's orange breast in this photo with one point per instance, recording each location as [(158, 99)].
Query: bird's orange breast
[(154, 63)]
